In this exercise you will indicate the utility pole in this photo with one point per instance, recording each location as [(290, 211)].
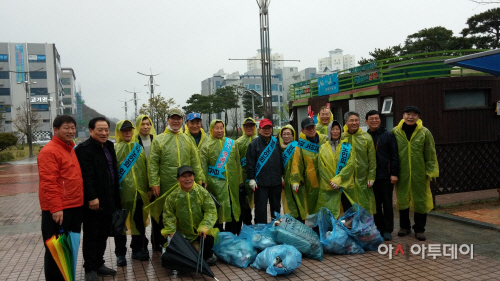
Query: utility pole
[(266, 57), (125, 101), (151, 87), (135, 100)]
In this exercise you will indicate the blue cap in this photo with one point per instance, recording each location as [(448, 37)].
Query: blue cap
[(192, 116)]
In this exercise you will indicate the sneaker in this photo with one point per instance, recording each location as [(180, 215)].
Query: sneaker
[(105, 271), (121, 261), (91, 276), (141, 255), (387, 236), (420, 236), (212, 260), (404, 231)]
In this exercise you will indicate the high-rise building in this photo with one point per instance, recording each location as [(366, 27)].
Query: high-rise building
[(36, 67), (255, 61), (337, 61), (68, 80)]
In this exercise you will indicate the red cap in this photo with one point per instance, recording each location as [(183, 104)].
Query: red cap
[(265, 122)]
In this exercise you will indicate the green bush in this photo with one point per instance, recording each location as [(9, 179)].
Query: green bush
[(6, 156)]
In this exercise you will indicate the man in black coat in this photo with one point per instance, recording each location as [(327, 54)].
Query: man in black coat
[(97, 159), (387, 173), (264, 171)]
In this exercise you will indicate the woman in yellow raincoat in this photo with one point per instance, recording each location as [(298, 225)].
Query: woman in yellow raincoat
[(144, 132), (304, 177), (220, 161), (292, 202), (330, 180), (134, 192), (418, 166), (246, 202), (365, 167)]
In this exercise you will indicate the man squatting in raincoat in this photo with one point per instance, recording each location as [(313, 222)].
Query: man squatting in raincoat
[(246, 192), (325, 117), (132, 165), (220, 161), (190, 210), (305, 168), (417, 166), (169, 151), (330, 180), (365, 166)]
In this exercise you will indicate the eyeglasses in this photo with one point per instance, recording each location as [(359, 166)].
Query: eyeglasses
[(373, 119), (287, 134)]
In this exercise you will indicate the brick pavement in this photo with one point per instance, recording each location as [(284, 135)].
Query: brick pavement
[(21, 252)]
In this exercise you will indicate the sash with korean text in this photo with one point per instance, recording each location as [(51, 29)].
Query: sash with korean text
[(309, 146), (287, 154), (129, 161), (345, 151), (264, 156), (218, 169)]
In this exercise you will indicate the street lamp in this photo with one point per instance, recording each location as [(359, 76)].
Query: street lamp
[(28, 117), (253, 93)]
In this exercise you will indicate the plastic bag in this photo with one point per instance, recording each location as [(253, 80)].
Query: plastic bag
[(234, 250), (255, 235), (332, 235), (292, 232), (280, 259), (363, 228)]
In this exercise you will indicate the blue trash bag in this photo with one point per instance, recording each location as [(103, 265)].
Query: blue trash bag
[(292, 232), (234, 250), (255, 235), (363, 228), (280, 259), (332, 235)]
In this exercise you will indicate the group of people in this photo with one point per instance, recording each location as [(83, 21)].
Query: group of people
[(197, 184)]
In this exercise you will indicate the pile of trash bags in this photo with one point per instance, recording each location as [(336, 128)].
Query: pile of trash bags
[(234, 250), (255, 235), (280, 259), (363, 228)]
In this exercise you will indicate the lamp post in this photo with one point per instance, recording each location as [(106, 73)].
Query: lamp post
[(29, 137)]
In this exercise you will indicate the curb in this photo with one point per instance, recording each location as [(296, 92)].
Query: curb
[(465, 221)]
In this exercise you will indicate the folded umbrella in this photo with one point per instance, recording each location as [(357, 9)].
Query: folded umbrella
[(53, 251), (65, 242), (75, 245)]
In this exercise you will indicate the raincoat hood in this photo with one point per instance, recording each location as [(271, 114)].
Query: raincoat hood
[(322, 129), (254, 130), (118, 133), (346, 130), (329, 130), (138, 122), (212, 125), (281, 130)]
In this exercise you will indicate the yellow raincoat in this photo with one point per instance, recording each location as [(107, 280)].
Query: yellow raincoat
[(221, 188), (322, 129), (203, 139), (135, 182), (305, 172), (168, 152), (417, 166), (243, 143), (327, 165), (292, 204), (189, 212), (138, 122), (365, 168)]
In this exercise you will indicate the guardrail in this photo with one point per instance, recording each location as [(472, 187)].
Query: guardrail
[(396, 69)]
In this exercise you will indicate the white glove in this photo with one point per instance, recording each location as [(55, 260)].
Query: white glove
[(295, 188), (282, 181), (333, 185), (252, 184), (370, 183)]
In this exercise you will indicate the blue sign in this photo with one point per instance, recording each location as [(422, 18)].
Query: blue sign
[(20, 63), (328, 84), (36, 58), (4, 57)]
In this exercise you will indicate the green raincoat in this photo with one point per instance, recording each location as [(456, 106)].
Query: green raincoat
[(138, 122), (189, 212), (203, 139), (305, 172), (327, 165), (222, 188), (365, 168), (417, 166), (134, 183), (292, 204), (322, 129), (243, 143)]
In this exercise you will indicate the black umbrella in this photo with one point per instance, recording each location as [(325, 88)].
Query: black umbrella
[(182, 256)]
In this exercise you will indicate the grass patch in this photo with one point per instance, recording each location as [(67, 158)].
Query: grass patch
[(17, 153)]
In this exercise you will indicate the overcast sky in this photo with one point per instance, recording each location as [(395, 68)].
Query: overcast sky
[(107, 42)]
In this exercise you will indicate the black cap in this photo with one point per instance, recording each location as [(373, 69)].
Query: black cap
[(183, 170), (412, 108), (127, 124), (306, 122)]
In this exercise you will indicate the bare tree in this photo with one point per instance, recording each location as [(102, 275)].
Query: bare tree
[(20, 122)]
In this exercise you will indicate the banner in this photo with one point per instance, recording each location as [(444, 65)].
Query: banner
[(328, 84), (20, 63)]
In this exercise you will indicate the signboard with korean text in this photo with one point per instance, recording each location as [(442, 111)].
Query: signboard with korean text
[(36, 58), (367, 77), (328, 85), (19, 63), (4, 57)]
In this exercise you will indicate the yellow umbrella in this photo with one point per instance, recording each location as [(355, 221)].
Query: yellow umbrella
[(57, 252)]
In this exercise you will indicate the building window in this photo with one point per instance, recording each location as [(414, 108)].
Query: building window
[(281, 99), (465, 99), (246, 86), (275, 98), (4, 75), (312, 75), (387, 106), (8, 121), (46, 120), (39, 91), (4, 91), (274, 87), (67, 111), (66, 81), (281, 88), (258, 87), (67, 101), (251, 86), (67, 91), (38, 75)]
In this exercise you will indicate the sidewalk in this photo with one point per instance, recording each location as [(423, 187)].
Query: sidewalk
[(21, 249)]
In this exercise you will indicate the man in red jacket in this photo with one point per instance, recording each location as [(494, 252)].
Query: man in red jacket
[(60, 188)]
